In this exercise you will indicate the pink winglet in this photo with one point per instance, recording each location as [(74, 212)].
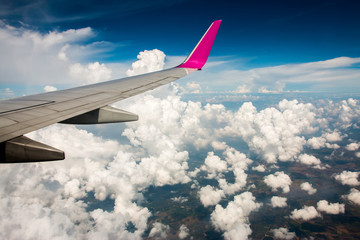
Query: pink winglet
[(200, 54)]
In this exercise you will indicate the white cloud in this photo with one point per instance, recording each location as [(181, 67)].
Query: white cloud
[(30, 51), (354, 196), (159, 231), (283, 233), (306, 213), (330, 208), (333, 136), (352, 146), (259, 168), (149, 61), (214, 165), (309, 160), (278, 180), (279, 202), (179, 199), (316, 142), (91, 73), (272, 133), (308, 187), (219, 145), (184, 232), (193, 87), (348, 178), (49, 88), (210, 196), (233, 220)]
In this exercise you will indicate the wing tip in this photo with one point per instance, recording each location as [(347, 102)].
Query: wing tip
[(200, 53)]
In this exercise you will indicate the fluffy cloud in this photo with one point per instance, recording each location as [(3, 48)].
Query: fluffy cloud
[(330, 208), (49, 88), (354, 196), (184, 232), (31, 51), (214, 165), (149, 61), (348, 178), (278, 180), (308, 188), (278, 201), (352, 146), (159, 231), (283, 233), (210, 196), (309, 160), (259, 168), (233, 220), (91, 73), (306, 213), (272, 133)]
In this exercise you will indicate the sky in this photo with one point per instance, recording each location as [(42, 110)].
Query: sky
[(304, 45), (268, 129)]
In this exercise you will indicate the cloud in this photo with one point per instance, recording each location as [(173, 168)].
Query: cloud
[(311, 76), (159, 231), (310, 160), (214, 165), (279, 202), (210, 196), (283, 233), (352, 146), (30, 51), (149, 61), (259, 168), (49, 88), (91, 73), (332, 208), (278, 180), (193, 87), (305, 214), (354, 196), (272, 133), (233, 220), (308, 188), (348, 178), (184, 232)]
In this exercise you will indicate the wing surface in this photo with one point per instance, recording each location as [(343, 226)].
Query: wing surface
[(82, 105)]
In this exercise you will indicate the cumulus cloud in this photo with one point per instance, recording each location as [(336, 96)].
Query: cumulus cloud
[(279, 202), (233, 220), (273, 133), (352, 146), (210, 196), (184, 232), (308, 188), (159, 231), (91, 73), (354, 196), (49, 88), (306, 213), (278, 180), (193, 87), (283, 233), (259, 168), (348, 178), (32, 50), (309, 160), (214, 165), (330, 208), (149, 61)]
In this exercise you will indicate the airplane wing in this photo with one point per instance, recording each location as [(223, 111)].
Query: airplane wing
[(83, 105)]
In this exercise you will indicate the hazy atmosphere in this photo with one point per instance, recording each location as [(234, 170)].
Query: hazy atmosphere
[(262, 143)]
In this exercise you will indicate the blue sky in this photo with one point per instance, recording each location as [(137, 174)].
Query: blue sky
[(254, 35)]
